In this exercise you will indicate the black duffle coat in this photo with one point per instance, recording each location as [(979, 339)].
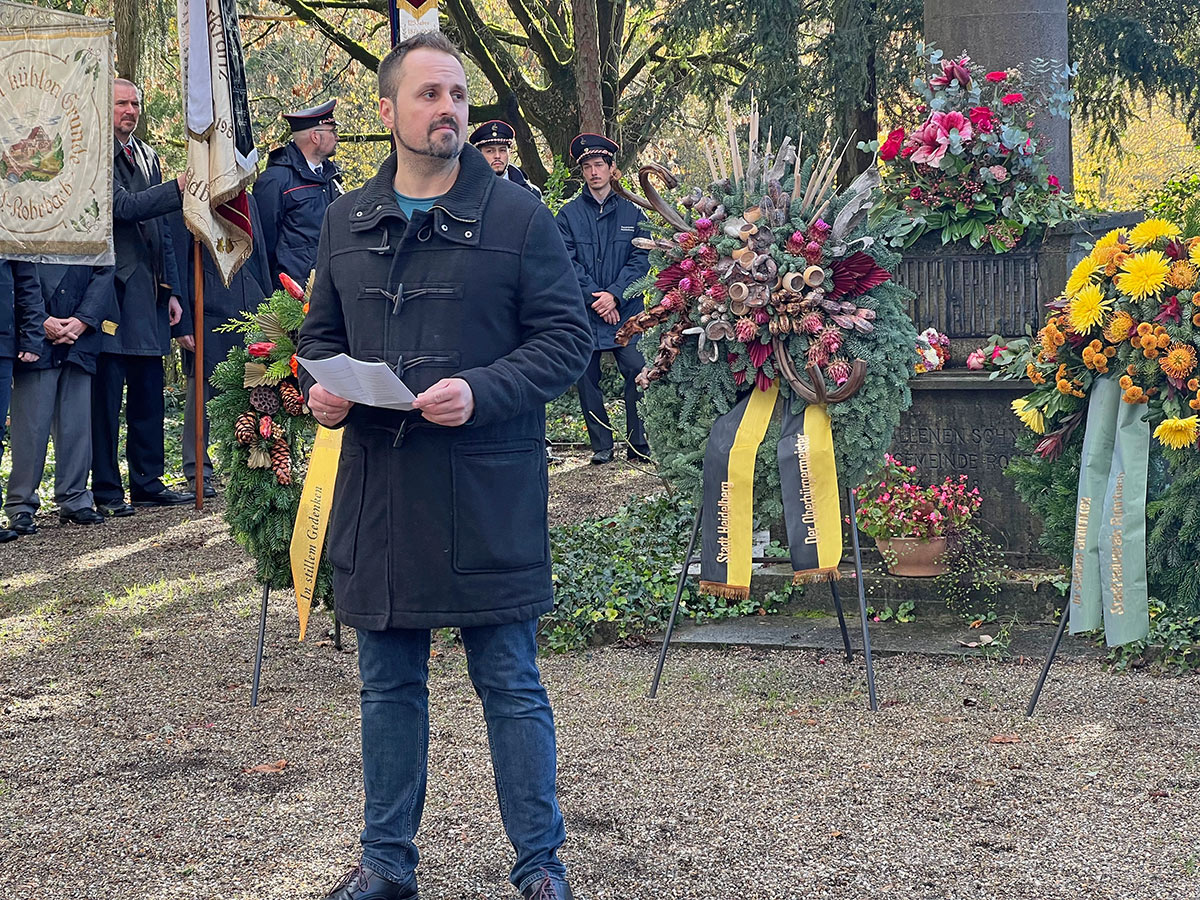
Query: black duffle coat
[(434, 526)]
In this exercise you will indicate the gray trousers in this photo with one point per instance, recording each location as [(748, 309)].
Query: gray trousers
[(50, 403), (189, 431)]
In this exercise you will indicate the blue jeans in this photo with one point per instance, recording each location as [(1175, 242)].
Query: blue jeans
[(6, 376), (502, 663)]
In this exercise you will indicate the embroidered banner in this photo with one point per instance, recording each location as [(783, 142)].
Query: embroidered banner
[(409, 18), (56, 139), (221, 156)]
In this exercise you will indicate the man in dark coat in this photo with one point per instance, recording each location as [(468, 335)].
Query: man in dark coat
[(494, 139), (147, 290), (250, 284), (598, 227), (22, 313), (460, 280), (53, 394), (300, 181)]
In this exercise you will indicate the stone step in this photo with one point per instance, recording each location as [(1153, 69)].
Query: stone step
[(941, 636), (1029, 595)]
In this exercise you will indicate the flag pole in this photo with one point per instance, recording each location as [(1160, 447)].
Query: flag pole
[(198, 379)]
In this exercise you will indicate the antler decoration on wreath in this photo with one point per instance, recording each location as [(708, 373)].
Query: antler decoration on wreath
[(813, 391), (653, 200)]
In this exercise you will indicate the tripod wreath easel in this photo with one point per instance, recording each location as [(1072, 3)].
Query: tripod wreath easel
[(813, 394)]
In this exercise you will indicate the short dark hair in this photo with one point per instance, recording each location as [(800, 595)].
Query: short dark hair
[(389, 66)]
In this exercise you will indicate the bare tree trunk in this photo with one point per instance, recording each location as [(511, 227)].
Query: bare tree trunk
[(587, 65), (128, 20), (858, 109)]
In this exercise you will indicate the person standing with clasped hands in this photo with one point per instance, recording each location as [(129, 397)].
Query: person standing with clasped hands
[(460, 280)]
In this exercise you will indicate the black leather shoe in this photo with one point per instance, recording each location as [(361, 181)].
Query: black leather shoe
[(548, 888), (85, 516), (22, 523), (7, 534), (364, 883), (209, 490), (638, 452), (600, 457), (164, 498), (117, 509)]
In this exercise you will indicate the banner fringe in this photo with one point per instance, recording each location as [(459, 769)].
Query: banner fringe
[(727, 591), (812, 576)]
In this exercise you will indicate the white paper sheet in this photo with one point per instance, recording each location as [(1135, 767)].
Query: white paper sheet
[(369, 383)]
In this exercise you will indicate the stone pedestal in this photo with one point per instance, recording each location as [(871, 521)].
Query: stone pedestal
[(997, 35), (962, 423)]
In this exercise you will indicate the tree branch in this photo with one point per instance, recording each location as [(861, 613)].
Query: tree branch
[(307, 14)]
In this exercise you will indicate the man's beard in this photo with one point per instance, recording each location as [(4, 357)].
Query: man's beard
[(442, 150)]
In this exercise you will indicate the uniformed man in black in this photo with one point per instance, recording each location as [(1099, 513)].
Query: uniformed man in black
[(299, 183), (598, 227), (494, 140)]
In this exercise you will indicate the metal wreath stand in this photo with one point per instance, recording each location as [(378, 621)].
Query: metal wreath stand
[(814, 393)]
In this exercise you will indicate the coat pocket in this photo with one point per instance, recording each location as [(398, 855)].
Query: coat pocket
[(347, 507), (499, 499)]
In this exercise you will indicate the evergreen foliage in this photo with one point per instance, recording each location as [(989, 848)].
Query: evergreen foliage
[(259, 509)]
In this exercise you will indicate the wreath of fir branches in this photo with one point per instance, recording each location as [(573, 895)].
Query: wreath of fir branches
[(680, 405), (261, 500)]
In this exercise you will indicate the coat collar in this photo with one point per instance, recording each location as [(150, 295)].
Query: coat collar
[(464, 202), (290, 155)]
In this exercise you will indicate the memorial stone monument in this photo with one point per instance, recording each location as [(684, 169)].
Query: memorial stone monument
[(961, 421)]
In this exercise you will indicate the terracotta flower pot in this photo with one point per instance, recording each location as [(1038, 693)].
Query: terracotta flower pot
[(912, 556)]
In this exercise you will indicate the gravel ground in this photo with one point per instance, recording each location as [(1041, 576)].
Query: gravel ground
[(126, 738)]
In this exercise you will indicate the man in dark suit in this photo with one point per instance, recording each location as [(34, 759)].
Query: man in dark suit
[(299, 183), (250, 285), (147, 290), (52, 396), (22, 313)]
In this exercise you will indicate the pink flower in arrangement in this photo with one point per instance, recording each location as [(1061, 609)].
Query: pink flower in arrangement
[(982, 118), (908, 151), (686, 240), (1010, 99), (761, 316), (975, 360), (795, 243), (687, 264), (261, 349), (1169, 311), (955, 121), (705, 228), (1055, 187), (995, 77), (916, 193), (953, 70), (999, 173), (996, 351), (746, 329), (930, 143), (688, 285), (891, 147)]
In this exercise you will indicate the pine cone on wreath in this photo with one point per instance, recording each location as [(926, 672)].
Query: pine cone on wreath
[(281, 461), (245, 428), (293, 400), (266, 427), (265, 400)]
